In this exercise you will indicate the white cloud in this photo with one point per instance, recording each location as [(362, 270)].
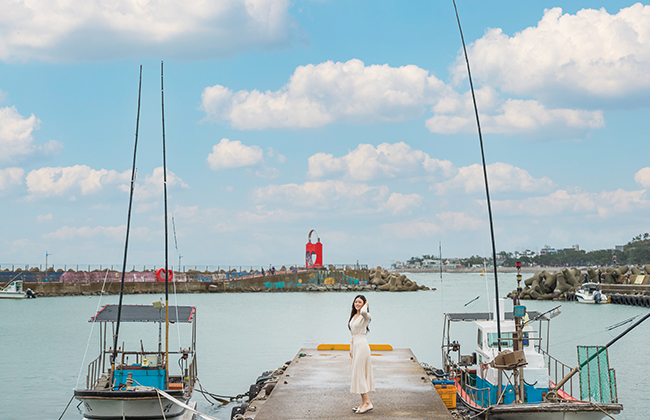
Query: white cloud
[(43, 218), (51, 181), (328, 92), (397, 203), (501, 177), (151, 187), (460, 221), (592, 52), (368, 162), (57, 30), (16, 133), (233, 154), (455, 113), (324, 194), (642, 177), (10, 177), (603, 204), (86, 232)]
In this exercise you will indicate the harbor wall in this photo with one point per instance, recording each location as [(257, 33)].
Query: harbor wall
[(91, 283)]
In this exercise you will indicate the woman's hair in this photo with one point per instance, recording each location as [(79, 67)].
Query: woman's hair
[(354, 310)]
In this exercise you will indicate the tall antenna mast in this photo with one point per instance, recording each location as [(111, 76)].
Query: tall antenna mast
[(485, 177), (162, 96), (128, 228)]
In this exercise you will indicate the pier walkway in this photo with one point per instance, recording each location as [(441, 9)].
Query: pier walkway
[(317, 386)]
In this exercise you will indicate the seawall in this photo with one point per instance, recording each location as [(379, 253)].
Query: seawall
[(91, 283)]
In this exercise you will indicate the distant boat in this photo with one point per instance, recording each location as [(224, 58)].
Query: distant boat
[(590, 293), (14, 290)]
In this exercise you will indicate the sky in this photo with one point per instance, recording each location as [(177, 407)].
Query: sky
[(353, 118)]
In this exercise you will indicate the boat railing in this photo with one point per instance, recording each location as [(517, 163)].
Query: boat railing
[(480, 396), (558, 370), (94, 372)]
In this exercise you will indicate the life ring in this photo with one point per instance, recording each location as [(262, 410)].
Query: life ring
[(161, 277)]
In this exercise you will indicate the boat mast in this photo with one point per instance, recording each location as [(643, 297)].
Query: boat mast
[(162, 96), (485, 177), (126, 242)]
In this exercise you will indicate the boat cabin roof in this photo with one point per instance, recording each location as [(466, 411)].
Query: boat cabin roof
[(144, 313), (488, 316), (590, 286)]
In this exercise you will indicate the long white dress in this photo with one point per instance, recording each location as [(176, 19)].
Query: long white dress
[(362, 380)]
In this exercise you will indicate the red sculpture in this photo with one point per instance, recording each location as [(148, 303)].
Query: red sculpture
[(314, 254)]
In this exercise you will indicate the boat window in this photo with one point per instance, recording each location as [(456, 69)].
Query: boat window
[(492, 339), (479, 340)]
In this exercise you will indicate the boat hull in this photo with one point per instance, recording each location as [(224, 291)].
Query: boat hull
[(542, 411), (117, 405), (12, 295), (553, 411)]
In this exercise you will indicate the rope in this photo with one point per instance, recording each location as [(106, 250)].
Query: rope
[(92, 327), (604, 412), (634, 386), (161, 407), (66, 407)]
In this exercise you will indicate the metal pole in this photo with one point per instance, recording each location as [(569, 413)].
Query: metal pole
[(162, 96)]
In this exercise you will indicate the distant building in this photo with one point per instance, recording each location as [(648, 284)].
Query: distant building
[(430, 263), (547, 250), (620, 247)]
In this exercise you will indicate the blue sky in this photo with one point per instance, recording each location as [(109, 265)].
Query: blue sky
[(349, 117)]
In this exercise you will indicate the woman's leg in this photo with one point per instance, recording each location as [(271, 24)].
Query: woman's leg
[(365, 400)]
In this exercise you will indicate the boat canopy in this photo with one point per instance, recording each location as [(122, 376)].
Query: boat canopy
[(488, 316), (144, 313)]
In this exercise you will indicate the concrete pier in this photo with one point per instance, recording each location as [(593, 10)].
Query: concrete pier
[(317, 386)]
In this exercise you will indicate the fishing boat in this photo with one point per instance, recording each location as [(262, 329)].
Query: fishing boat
[(14, 290), (144, 386), (128, 385), (510, 374), (590, 293)]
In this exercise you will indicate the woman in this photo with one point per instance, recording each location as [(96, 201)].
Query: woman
[(362, 380)]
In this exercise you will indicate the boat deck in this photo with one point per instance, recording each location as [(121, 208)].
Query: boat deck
[(317, 386)]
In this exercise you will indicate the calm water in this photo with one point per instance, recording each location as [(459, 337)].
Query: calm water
[(42, 341)]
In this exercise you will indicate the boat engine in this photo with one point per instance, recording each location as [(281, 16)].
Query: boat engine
[(30, 294)]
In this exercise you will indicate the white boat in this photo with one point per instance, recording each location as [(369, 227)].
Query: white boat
[(590, 293), (14, 290), (130, 391)]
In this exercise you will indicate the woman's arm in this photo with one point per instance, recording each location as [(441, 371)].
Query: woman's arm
[(364, 312)]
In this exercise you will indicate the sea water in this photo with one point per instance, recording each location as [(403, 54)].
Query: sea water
[(43, 341)]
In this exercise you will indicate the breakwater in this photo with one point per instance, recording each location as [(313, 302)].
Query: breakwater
[(70, 283)]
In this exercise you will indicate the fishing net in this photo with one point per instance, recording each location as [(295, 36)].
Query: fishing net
[(597, 380)]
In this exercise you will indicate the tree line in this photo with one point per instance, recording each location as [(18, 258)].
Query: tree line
[(635, 252)]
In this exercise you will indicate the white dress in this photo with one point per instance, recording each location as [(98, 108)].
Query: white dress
[(362, 380)]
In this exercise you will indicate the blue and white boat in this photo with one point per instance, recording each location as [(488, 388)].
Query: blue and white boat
[(131, 389), (521, 381)]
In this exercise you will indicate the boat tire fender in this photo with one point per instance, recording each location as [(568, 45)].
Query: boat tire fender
[(239, 410)]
